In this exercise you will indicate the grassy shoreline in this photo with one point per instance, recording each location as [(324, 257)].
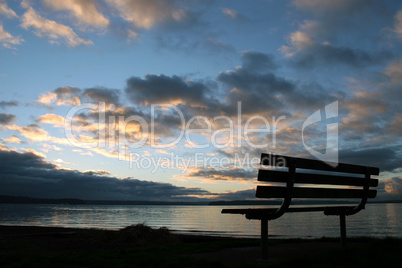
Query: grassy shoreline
[(142, 246)]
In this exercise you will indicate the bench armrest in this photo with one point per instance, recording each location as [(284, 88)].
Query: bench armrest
[(363, 201), (288, 196)]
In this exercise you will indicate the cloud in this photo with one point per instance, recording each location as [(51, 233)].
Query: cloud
[(108, 96), (398, 24), (9, 41), (47, 98), (155, 89), (97, 172), (52, 119), (73, 96), (68, 95), (257, 61), (55, 32), (372, 110), (42, 179), (324, 55), (387, 159), (146, 14), (259, 92), (364, 108), (233, 14), (13, 139), (332, 30), (32, 132), (395, 125), (320, 6), (393, 186), (82, 152), (309, 48), (85, 12), (394, 72), (254, 84), (336, 15), (4, 104), (223, 174), (6, 119), (301, 39), (6, 11)]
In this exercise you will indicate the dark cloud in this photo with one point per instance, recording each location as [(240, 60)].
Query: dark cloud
[(109, 96), (257, 61), (156, 89), (262, 91), (12, 159), (192, 34), (68, 95), (359, 19), (327, 56), (4, 104), (259, 92), (29, 174), (247, 80), (331, 30), (386, 159), (62, 92), (311, 96), (6, 119)]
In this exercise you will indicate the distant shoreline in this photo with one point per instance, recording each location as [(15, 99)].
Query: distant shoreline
[(5, 199)]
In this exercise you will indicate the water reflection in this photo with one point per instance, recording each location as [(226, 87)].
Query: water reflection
[(378, 220)]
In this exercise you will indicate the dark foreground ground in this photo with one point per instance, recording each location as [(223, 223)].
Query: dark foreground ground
[(141, 246)]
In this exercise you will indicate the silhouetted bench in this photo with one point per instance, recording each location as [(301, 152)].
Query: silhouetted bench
[(354, 179)]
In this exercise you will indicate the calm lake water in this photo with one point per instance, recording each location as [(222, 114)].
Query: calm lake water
[(377, 220)]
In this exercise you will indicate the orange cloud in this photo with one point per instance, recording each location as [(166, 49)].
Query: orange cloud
[(52, 119), (55, 32), (83, 11)]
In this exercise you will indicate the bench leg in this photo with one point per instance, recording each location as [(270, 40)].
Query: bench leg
[(343, 229), (264, 239)]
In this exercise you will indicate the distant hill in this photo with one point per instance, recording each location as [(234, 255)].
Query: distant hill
[(5, 199)]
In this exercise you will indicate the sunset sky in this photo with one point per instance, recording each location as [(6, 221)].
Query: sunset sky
[(176, 100)]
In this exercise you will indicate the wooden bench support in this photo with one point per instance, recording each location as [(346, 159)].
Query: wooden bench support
[(343, 229), (264, 238)]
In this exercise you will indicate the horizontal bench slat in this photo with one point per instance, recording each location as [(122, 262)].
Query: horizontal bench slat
[(258, 213), (298, 192), (275, 160), (270, 210), (282, 176)]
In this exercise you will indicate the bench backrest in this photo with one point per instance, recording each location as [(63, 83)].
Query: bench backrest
[(342, 174)]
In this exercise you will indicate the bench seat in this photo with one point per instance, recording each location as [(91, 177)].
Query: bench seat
[(259, 213)]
